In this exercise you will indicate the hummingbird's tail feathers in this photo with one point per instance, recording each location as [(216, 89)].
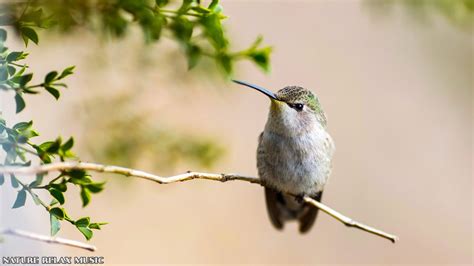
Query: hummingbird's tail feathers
[(282, 208), (273, 199), (309, 214)]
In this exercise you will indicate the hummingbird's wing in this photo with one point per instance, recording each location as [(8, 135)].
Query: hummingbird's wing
[(309, 214), (273, 199)]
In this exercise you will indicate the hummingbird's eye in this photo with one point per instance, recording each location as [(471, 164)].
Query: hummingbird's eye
[(297, 106)]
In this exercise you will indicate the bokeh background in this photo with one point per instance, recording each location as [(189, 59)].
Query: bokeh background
[(396, 85)]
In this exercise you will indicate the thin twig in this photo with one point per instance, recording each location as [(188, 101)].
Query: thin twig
[(47, 239), (64, 166)]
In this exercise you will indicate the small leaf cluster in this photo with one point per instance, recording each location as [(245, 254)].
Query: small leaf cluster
[(84, 224), (58, 186), (196, 27), (17, 145), (13, 76), (25, 20)]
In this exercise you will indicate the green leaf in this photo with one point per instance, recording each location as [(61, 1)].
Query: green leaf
[(21, 140), (53, 91), (77, 173), (95, 187), (96, 226), (23, 80), (185, 6), (29, 33), (29, 91), (19, 73), (14, 181), (45, 145), (114, 23), (7, 147), (3, 73), (61, 187), (213, 29), (34, 16), (30, 133), (213, 4), (58, 212), (11, 70), (82, 181), (83, 222), (55, 224), (11, 156), (66, 72), (45, 158), (36, 199), (14, 56), (261, 57), (21, 154), (161, 3), (68, 145), (3, 35), (201, 9), (50, 77), (85, 196), (38, 180), (86, 232), (225, 61), (182, 28), (193, 53), (22, 126), (20, 103), (51, 146), (20, 199), (58, 195)]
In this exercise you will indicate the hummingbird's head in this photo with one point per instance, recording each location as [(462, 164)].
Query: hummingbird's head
[(293, 109)]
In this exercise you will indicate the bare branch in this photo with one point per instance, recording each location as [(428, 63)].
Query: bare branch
[(47, 239), (63, 166), (348, 221)]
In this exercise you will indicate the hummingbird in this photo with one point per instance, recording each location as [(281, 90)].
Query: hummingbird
[(294, 155)]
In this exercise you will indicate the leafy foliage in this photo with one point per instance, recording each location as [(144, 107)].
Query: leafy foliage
[(196, 27), (16, 143), (13, 76), (459, 13)]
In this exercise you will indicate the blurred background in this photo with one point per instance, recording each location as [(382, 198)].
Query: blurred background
[(395, 80)]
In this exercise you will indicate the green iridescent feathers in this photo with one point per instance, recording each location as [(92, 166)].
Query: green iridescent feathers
[(296, 94)]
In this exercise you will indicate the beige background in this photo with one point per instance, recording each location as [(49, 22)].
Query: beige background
[(398, 96)]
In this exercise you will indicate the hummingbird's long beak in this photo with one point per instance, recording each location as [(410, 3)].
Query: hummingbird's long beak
[(260, 89)]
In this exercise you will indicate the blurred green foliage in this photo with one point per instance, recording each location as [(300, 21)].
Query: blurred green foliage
[(459, 13), (196, 27), (131, 138)]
